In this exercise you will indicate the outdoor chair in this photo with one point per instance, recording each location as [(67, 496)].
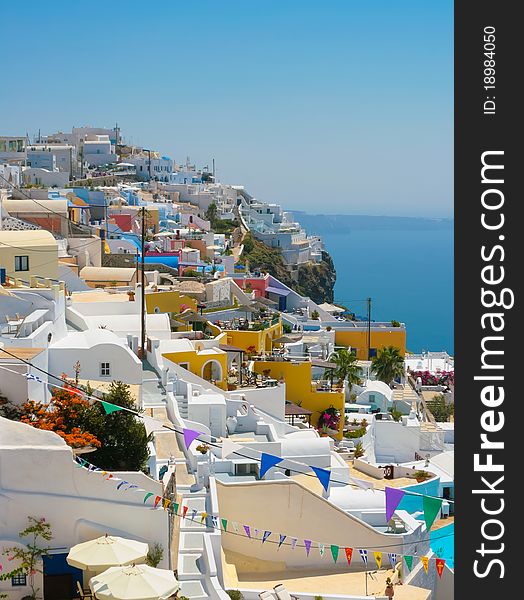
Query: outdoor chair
[(83, 593), (282, 593)]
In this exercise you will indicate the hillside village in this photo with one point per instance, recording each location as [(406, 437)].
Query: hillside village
[(173, 363)]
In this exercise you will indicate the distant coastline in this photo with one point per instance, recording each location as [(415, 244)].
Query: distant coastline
[(333, 224)]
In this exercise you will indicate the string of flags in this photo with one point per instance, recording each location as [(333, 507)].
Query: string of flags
[(263, 535)]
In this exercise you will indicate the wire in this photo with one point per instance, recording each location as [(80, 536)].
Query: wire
[(214, 444)]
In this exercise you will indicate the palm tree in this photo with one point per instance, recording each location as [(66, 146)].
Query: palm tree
[(347, 367), (388, 364)]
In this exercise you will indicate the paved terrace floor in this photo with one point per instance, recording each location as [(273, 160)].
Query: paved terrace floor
[(317, 581)]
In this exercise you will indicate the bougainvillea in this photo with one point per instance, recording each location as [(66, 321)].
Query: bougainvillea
[(446, 378), (330, 418)]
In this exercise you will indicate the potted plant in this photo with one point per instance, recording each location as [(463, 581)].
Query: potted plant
[(202, 448), (421, 476)]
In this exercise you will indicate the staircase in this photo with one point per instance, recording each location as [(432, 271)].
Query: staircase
[(182, 406)]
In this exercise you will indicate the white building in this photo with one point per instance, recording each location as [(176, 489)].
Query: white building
[(152, 166), (62, 157), (98, 150)]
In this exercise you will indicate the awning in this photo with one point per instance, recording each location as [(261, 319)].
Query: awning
[(295, 409), (279, 291), (315, 362), (229, 348)]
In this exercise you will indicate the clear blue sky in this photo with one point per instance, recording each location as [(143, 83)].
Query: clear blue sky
[(335, 107)]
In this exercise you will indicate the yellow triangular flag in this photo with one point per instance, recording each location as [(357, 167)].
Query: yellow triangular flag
[(378, 558), (203, 517), (166, 503), (425, 561)]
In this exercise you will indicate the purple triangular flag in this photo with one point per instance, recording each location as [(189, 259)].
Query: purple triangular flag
[(393, 498), (247, 529), (265, 535), (307, 544), (281, 540), (190, 435)]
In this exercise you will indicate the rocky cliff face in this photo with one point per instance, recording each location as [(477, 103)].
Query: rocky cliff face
[(317, 281)]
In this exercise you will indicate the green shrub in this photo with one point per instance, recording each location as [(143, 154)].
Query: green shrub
[(235, 594)]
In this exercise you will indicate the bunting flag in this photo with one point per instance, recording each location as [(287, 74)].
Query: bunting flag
[(409, 561), (364, 485), (321, 549), (234, 524), (431, 509), (265, 535), (166, 503), (349, 555), (157, 500), (229, 447), (294, 543), (281, 540), (224, 524), (307, 544), (121, 484), (214, 522), (256, 532), (203, 517), (378, 559), (392, 559), (323, 476), (393, 498), (176, 505), (439, 563), (364, 556), (247, 529), (193, 514), (190, 435), (152, 425), (31, 377), (110, 408), (148, 495), (424, 560), (184, 511), (267, 461), (334, 552)]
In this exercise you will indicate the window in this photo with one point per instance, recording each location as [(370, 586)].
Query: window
[(19, 580), (21, 263), (105, 369)]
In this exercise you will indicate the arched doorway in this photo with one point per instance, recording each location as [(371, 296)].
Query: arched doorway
[(212, 371)]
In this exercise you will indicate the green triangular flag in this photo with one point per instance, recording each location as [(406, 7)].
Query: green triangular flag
[(409, 561), (176, 507), (431, 509), (110, 408), (334, 552), (224, 524)]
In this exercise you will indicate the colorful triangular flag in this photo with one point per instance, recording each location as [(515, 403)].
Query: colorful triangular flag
[(247, 529), (175, 506), (152, 424), (166, 503), (234, 524), (184, 511), (425, 561), (364, 556), (214, 522), (294, 543), (224, 524), (157, 500), (378, 559), (307, 544), (334, 552), (193, 514), (349, 554), (409, 561), (323, 476), (190, 435), (392, 559), (393, 498), (265, 535), (267, 461), (203, 517), (281, 540), (229, 447), (431, 509), (321, 549), (439, 563), (110, 408)]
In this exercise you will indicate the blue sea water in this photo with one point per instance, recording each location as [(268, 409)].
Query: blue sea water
[(408, 274)]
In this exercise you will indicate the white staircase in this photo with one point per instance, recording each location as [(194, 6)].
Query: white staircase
[(182, 406)]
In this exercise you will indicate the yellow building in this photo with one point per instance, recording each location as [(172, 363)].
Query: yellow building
[(169, 302), (100, 277), (210, 363), (300, 388), (253, 341), (357, 339), (29, 253)]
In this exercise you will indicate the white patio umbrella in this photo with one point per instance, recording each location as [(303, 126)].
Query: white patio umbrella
[(106, 551), (135, 582)]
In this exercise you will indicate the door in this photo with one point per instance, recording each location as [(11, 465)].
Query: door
[(58, 587)]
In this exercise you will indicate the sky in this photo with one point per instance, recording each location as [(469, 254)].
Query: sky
[(339, 106)]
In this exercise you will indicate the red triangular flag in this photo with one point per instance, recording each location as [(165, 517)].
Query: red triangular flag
[(184, 511), (439, 563), (349, 554), (157, 500)]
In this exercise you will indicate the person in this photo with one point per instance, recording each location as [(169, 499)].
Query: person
[(390, 590)]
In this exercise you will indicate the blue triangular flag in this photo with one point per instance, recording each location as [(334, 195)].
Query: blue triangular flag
[(265, 535), (323, 476), (267, 461), (364, 556), (281, 540)]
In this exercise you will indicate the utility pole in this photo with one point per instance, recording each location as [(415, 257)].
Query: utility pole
[(369, 331), (143, 353)]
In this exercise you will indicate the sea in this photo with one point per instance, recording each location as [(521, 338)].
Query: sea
[(404, 264)]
